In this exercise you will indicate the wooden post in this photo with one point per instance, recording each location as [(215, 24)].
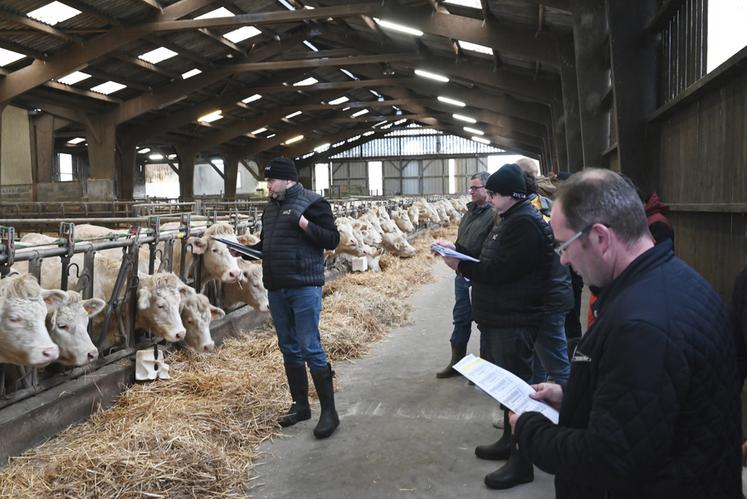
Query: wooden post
[(574, 151), (589, 40), (186, 173), (230, 172), (634, 73)]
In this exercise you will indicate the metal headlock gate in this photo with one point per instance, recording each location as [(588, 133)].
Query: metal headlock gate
[(18, 383)]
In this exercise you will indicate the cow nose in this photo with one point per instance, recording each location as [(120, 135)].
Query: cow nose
[(93, 355), (180, 335), (209, 347), (234, 274), (51, 353)]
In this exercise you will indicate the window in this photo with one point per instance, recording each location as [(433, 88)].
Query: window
[(452, 176), (726, 33), (321, 177), (375, 178), (65, 162)]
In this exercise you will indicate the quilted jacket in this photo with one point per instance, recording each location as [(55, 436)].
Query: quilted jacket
[(651, 409)]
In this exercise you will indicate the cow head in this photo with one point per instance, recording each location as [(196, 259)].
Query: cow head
[(24, 341), (158, 300), (217, 262), (397, 244), (348, 242), (197, 313), (68, 328), (253, 290)]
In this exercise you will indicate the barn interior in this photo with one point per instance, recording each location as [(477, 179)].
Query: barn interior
[(123, 110)]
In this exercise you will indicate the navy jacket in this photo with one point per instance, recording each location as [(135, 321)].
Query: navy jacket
[(651, 409)]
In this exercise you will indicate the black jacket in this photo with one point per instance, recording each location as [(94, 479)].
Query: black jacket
[(651, 409), (475, 226), (293, 258), (509, 282)]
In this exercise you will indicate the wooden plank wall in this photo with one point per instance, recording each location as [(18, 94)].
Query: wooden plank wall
[(700, 153)]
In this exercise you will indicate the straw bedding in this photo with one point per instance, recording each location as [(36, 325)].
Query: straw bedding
[(195, 435)]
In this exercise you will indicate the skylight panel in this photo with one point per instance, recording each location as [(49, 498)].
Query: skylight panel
[(348, 74), (292, 115), (74, 77), (270, 136), (251, 98), (258, 131), (306, 81), (108, 87), (475, 47), (9, 57), (53, 13), (339, 100), (359, 113), (399, 122), (210, 117), (241, 34), (398, 27), (322, 148), (286, 4), (191, 73), (155, 157), (144, 150), (157, 55), (220, 12), (307, 155), (76, 140), (474, 4), (353, 139), (366, 134), (172, 156)]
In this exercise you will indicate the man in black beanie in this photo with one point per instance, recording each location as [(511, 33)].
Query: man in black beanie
[(508, 289), (297, 226)]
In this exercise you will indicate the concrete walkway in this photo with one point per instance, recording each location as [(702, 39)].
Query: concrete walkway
[(403, 433)]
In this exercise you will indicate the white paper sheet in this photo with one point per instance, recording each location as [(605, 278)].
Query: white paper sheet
[(444, 251), (503, 386)]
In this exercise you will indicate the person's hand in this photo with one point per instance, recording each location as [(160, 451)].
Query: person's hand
[(550, 393), (303, 222), (445, 243), (453, 263)]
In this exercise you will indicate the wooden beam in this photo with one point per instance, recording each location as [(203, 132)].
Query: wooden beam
[(147, 66), (153, 4), (320, 62), (37, 26), (261, 18), (574, 159), (79, 55)]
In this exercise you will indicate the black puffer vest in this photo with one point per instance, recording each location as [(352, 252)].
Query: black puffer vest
[(518, 303), (290, 259)]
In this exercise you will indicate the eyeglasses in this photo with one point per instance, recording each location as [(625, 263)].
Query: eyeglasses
[(473, 188), (561, 248)]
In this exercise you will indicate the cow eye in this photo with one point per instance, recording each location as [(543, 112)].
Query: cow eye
[(14, 319), (64, 327), (215, 250), (161, 305)]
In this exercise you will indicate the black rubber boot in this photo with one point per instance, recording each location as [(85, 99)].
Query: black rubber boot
[(457, 353), (298, 384), (499, 450), (328, 419), (516, 471)]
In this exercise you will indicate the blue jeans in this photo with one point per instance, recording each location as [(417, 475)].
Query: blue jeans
[(510, 348), (551, 350), (295, 313), (462, 313)]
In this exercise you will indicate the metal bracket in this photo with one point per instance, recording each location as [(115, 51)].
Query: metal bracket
[(7, 248)]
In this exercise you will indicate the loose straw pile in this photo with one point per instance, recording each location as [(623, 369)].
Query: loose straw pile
[(196, 434)]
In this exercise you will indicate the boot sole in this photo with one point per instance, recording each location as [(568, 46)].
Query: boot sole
[(287, 420), (506, 485), (493, 456), (326, 434), (442, 375)]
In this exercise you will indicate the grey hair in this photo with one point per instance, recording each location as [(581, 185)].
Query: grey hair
[(597, 195), (482, 176)]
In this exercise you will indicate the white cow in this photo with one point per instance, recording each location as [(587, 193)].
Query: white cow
[(197, 313), (398, 245), (24, 340), (249, 290), (68, 328)]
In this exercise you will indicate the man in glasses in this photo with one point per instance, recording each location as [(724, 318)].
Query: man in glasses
[(652, 408), (508, 296), (473, 229)]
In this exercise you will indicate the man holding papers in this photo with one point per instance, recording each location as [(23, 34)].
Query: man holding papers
[(473, 229), (297, 225), (651, 409), (508, 290)]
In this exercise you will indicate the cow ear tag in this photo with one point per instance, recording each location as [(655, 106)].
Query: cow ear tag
[(150, 364)]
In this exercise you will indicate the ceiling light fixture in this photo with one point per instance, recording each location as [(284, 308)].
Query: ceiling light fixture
[(432, 76), (449, 100), (398, 27), (464, 118)]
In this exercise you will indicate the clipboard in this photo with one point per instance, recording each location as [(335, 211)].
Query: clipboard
[(242, 249)]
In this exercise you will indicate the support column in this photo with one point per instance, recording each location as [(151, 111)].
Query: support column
[(589, 40), (574, 151), (633, 72), (44, 147), (230, 173), (102, 142), (559, 157), (126, 164), (186, 173)]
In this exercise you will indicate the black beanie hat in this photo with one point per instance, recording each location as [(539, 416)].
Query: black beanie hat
[(281, 169), (508, 181)]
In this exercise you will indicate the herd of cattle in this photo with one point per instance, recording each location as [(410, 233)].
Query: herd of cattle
[(40, 323)]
